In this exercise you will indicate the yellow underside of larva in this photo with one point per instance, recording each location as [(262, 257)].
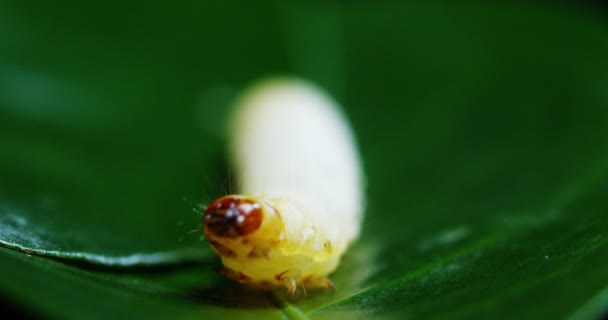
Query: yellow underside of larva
[(278, 255)]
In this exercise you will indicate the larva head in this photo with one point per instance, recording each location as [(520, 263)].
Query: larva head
[(232, 217)]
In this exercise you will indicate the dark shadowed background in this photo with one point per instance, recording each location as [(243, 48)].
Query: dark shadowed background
[(483, 129)]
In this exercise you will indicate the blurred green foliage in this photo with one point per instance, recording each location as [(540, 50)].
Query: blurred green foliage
[(483, 128)]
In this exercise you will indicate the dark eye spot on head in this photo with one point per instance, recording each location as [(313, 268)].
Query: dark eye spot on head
[(232, 217)]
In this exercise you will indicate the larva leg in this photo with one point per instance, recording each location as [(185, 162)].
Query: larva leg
[(323, 282), (234, 275), (289, 279), (329, 284), (292, 286)]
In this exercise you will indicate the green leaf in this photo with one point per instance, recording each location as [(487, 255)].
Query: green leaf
[(483, 129), (103, 154)]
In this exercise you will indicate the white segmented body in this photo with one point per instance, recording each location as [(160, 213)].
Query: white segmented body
[(293, 152)]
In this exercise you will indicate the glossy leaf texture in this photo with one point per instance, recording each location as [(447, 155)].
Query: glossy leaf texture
[(483, 130)]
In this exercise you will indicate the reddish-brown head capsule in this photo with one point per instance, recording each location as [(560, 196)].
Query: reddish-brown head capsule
[(232, 216)]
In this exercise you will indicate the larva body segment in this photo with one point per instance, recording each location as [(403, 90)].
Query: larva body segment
[(295, 161)]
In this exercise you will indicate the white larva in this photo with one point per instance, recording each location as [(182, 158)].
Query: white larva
[(301, 201)]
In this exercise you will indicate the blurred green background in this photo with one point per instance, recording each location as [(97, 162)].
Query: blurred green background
[(483, 129)]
